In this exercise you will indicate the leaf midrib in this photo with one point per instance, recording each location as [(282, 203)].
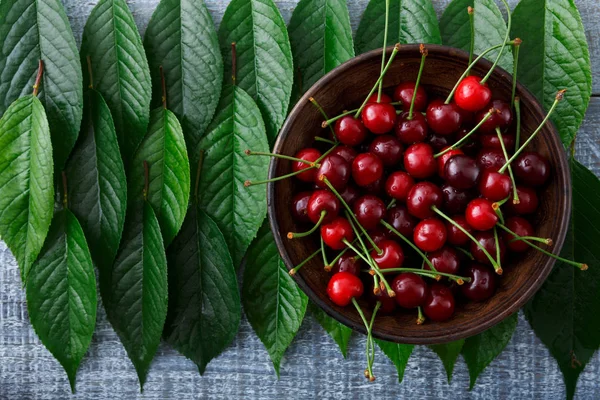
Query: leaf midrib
[(118, 70)]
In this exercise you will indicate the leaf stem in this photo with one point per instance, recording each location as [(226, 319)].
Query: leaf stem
[(233, 64), (89, 68), (38, 78), (65, 190), (198, 173), (163, 84), (146, 179), (506, 37)]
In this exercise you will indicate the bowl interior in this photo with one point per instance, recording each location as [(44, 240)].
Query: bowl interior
[(345, 88)]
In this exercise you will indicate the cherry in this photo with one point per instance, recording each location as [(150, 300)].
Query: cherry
[(441, 160), (430, 234), (379, 118), (384, 99), (388, 304), (366, 169), (348, 262), (531, 168), (439, 304), (411, 290), (343, 287), (413, 130), (322, 201), (398, 184), (445, 260), (388, 149), (462, 172), (377, 188), (501, 119), (299, 205), (495, 186), (438, 142), (455, 200), (379, 234), (480, 214), (346, 152), (350, 131), (528, 201), (470, 146), (444, 119), (492, 141), (308, 154), (487, 240), (419, 161), (391, 256), (472, 95), (491, 159), (369, 210), (399, 218), (404, 92), (457, 237), (482, 285), (337, 171), (422, 197), (521, 227), (335, 232), (350, 194)]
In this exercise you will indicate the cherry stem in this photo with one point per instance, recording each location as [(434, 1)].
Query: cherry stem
[(370, 353), (323, 113), (510, 171), (581, 266), (324, 140), (498, 211), (497, 244), (517, 46), (293, 235), (372, 358), (466, 137), (420, 316), (391, 204), (277, 178), (324, 124), (198, 173), (65, 190), (546, 241), (294, 270), (335, 260), (458, 279), (282, 156), (411, 244), (146, 180), (233, 64), (471, 12), (380, 79), (517, 104), (506, 39), (385, 35), (163, 84), (325, 262), (91, 75), (559, 96), (497, 267), (376, 288), (424, 54), (38, 78), (465, 252)]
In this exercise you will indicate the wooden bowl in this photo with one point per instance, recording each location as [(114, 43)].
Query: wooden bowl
[(345, 88)]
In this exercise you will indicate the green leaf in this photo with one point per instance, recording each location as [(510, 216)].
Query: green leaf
[(564, 312), (411, 21), (398, 353), (264, 57), (204, 301), (33, 30), (96, 181), (164, 150), (480, 350), (135, 290), (181, 38), (339, 332), (321, 39), (448, 353), (273, 303), (238, 210), (554, 56), (61, 293), (120, 70), (26, 185), (490, 29)]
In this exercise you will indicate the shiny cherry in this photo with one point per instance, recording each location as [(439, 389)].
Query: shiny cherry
[(413, 130), (421, 197), (299, 205), (398, 184), (441, 160), (388, 149), (404, 92), (531, 168), (369, 210), (501, 119), (350, 194), (346, 152), (446, 260), (438, 142), (366, 169), (384, 99), (491, 159), (322, 201), (388, 304), (480, 214), (457, 237), (308, 154), (430, 234), (494, 186), (472, 95), (521, 227), (482, 285), (348, 262), (379, 118), (439, 304), (336, 169), (335, 232), (492, 141), (419, 161), (528, 201), (379, 234), (391, 256), (486, 239), (411, 290), (444, 119), (377, 188), (401, 220), (470, 145), (343, 287), (455, 200), (462, 172), (350, 130)]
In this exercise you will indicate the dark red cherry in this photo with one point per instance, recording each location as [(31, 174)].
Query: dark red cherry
[(438, 142), (336, 170), (350, 130), (457, 237), (335, 232), (470, 146), (346, 152), (482, 285), (350, 194), (486, 239), (455, 200), (369, 210), (388, 304), (388, 149), (398, 184), (439, 304), (343, 287), (444, 119), (531, 168), (491, 159), (521, 227), (299, 206), (399, 218), (430, 234), (366, 169), (384, 99), (445, 260), (404, 92), (322, 201), (441, 160), (379, 234), (348, 262), (472, 95), (421, 197), (391, 256), (492, 141), (495, 186), (379, 118), (419, 161), (413, 130), (411, 290), (480, 214), (528, 201), (501, 119), (308, 154), (376, 188), (462, 172)]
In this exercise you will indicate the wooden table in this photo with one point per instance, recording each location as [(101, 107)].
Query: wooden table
[(313, 366)]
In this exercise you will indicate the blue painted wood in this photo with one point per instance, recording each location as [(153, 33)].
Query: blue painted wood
[(313, 366)]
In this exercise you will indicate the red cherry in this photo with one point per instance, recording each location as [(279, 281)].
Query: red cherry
[(388, 149), (491, 159), (379, 118), (528, 201), (462, 172), (441, 160), (323, 201), (492, 141), (501, 119), (521, 227), (482, 285), (495, 186), (532, 168), (430, 234), (334, 233), (398, 184), (444, 119), (350, 131), (384, 99), (419, 161), (346, 152), (472, 95), (400, 219), (343, 287), (404, 92), (379, 234), (299, 205), (348, 262), (388, 304), (411, 290), (439, 305), (487, 240), (308, 154), (446, 260), (336, 169), (455, 235), (369, 210), (413, 130), (350, 194), (422, 197), (391, 256), (438, 142), (481, 215), (366, 169)]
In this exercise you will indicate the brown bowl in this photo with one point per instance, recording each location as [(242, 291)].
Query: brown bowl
[(345, 88)]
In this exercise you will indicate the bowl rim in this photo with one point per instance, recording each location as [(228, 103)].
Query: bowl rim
[(475, 328)]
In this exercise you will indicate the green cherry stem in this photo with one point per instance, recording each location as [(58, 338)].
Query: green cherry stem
[(295, 270), (323, 113), (282, 156), (517, 45), (411, 244), (465, 252), (324, 140), (466, 137), (277, 178), (372, 358), (369, 371), (324, 253), (296, 235), (420, 316), (458, 279), (370, 262), (497, 244), (546, 241), (471, 12), (517, 104), (510, 171), (385, 35), (424, 54), (324, 124), (506, 38)]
